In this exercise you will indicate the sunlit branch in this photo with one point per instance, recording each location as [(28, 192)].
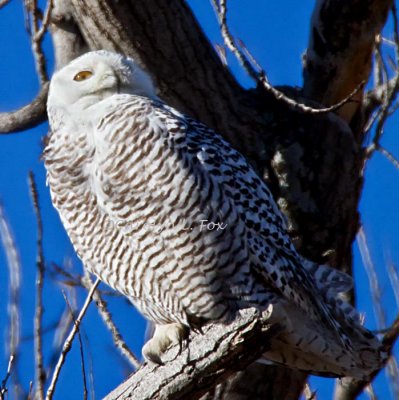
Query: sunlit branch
[(82, 358), (13, 339), (26, 117), (3, 386), (68, 342), (109, 323)]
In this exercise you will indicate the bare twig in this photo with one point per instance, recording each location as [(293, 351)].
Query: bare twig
[(68, 342), (14, 287), (393, 372), (392, 335), (82, 358), (373, 279), (37, 34), (63, 327), (91, 371), (389, 156), (370, 391), (394, 278), (391, 89), (109, 323), (259, 75), (3, 387), (38, 334), (45, 22), (3, 2), (308, 393), (26, 117)]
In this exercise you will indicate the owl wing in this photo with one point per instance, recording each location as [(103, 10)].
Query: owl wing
[(275, 256)]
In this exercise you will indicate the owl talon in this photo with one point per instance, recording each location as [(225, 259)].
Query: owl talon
[(164, 337)]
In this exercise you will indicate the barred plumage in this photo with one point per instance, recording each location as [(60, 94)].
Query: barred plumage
[(165, 211)]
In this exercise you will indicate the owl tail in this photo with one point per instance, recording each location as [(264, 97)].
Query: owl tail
[(311, 347)]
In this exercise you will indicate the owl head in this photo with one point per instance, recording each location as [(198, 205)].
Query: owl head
[(93, 77)]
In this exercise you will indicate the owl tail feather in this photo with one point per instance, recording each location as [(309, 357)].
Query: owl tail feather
[(309, 346)]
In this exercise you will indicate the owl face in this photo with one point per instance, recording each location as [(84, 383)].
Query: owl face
[(93, 77)]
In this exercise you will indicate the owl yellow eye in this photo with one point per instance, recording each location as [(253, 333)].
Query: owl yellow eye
[(82, 76)]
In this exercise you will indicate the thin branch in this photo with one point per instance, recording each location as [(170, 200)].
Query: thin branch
[(391, 90), (40, 375), (26, 117), (63, 327), (392, 335), (109, 323), (394, 278), (14, 267), (308, 393), (259, 76), (389, 156), (37, 34), (370, 391), (82, 358), (68, 342), (3, 387), (373, 279), (376, 295), (3, 3), (13, 338), (45, 22)]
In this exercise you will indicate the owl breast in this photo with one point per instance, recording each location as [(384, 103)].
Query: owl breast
[(145, 222)]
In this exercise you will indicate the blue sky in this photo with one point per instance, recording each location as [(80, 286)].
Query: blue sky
[(277, 39)]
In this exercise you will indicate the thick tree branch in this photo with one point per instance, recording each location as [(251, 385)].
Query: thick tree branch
[(26, 117), (67, 38), (339, 54), (209, 358)]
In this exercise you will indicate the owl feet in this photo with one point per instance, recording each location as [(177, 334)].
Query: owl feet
[(164, 337)]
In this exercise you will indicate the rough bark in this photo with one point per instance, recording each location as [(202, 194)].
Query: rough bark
[(26, 117), (209, 358)]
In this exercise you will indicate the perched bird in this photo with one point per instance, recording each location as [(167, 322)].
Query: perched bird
[(165, 211)]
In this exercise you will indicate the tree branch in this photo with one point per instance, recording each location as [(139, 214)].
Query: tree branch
[(339, 53), (26, 117), (209, 358), (68, 342), (40, 375)]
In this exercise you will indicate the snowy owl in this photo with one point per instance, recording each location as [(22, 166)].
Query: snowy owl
[(165, 211)]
